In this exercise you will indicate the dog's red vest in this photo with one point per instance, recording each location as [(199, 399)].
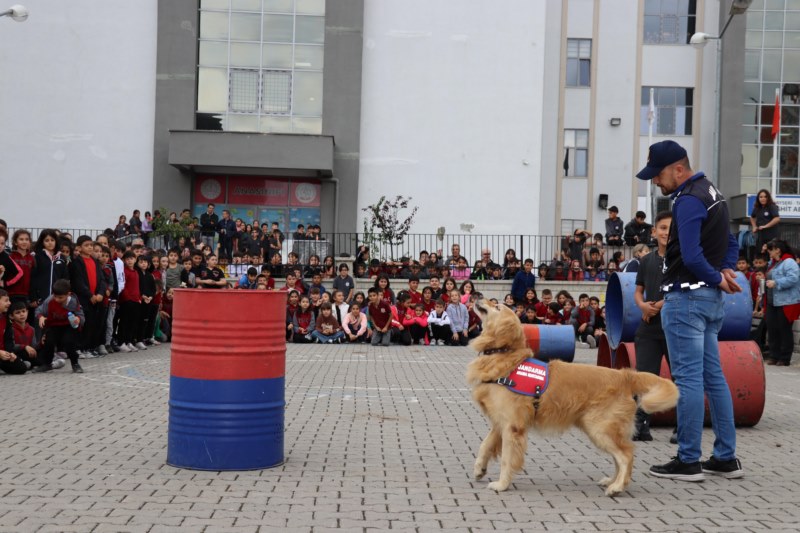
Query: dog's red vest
[(529, 378)]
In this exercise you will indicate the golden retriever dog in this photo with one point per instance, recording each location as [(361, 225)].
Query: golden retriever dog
[(598, 401)]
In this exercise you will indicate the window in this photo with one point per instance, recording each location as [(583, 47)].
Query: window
[(576, 152), (569, 225), (673, 110), (260, 65), (669, 21), (579, 61)]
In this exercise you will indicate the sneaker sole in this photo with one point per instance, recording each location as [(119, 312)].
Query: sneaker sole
[(694, 478), (736, 474)]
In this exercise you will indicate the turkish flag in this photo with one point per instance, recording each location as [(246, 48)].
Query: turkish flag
[(776, 117)]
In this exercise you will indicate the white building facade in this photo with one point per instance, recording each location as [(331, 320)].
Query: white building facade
[(510, 117)]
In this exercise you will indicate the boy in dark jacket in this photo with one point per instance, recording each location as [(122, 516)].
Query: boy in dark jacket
[(523, 280), (89, 285), (60, 317)]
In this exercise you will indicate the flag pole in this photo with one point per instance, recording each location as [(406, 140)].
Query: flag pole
[(651, 117), (776, 133)]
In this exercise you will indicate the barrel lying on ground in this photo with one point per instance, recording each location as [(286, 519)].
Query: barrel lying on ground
[(743, 368), (551, 342), (226, 397)]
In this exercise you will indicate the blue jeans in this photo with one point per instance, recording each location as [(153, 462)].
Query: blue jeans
[(691, 321), (325, 338)]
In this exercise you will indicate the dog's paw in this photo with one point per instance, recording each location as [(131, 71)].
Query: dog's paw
[(478, 472), (498, 486), (614, 490), (605, 482)]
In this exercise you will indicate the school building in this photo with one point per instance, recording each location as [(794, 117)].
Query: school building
[(503, 117)]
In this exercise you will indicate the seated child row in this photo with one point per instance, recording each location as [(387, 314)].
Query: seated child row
[(320, 317)]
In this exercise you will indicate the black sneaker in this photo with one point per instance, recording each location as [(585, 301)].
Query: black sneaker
[(730, 469), (77, 369), (41, 368), (674, 438), (677, 469)]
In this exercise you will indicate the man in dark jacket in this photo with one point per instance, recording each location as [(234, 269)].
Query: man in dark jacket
[(208, 226), (614, 227), (89, 284), (637, 231), (227, 231)]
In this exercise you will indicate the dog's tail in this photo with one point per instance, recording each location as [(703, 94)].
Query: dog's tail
[(655, 394)]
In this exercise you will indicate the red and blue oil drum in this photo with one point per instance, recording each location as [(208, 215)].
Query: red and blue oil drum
[(551, 342), (743, 368), (226, 396)]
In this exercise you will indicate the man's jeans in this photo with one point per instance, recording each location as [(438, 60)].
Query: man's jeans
[(691, 321), (208, 240)]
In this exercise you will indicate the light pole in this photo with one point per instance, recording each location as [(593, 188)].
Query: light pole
[(699, 40), (16, 12)]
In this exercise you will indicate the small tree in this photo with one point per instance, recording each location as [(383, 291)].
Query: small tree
[(383, 224), (169, 232)]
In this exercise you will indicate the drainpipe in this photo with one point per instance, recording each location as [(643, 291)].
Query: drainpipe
[(335, 204)]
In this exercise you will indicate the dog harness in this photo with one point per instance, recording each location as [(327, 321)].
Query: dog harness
[(530, 378)]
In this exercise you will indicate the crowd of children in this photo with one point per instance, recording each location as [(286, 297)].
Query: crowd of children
[(89, 297)]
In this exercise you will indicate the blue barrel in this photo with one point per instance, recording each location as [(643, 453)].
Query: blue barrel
[(623, 315), (551, 342), (227, 372)]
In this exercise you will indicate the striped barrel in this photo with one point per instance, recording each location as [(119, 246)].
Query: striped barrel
[(605, 355), (226, 397), (551, 342), (743, 368), (623, 315)]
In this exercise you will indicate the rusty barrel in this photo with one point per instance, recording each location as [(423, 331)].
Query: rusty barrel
[(743, 367), (623, 315), (605, 355), (226, 396), (551, 342)]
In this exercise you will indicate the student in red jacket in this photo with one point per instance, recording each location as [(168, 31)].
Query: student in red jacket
[(416, 322), (130, 300), (10, 361), (25, 260)]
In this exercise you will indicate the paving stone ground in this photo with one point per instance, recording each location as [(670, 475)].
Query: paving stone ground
[(376, 439)]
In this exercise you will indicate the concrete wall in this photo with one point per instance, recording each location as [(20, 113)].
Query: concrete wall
[(78, 105), (452, 110), (176, 94), (341, 115)]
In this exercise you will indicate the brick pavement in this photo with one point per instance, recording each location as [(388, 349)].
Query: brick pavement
[(376, 438)]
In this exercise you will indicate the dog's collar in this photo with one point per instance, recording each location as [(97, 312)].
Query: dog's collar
[(491, 351)]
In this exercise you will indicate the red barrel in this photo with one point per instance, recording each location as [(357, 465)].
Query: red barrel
[(743, 367), (551, 342), (605, 355), (226, 398)]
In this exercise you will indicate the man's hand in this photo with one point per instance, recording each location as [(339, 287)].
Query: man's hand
[(649, 310), (581, 328), (7, 356), (31, 351), (728, 283), (42, 320)]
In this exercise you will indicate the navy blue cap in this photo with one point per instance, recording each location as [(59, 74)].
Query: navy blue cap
[(661, 154)]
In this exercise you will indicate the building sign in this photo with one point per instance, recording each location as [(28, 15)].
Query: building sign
[(257, 191), (788, 204), (304, 194), (209, 189)]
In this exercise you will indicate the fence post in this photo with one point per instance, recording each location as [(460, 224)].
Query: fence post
[(521, 248)]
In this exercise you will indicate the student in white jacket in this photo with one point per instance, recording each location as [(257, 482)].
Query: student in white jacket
[(439, 325)]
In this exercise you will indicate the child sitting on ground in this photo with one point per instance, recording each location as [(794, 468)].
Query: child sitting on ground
[(439, 324), (416, 322), (327, 329)]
